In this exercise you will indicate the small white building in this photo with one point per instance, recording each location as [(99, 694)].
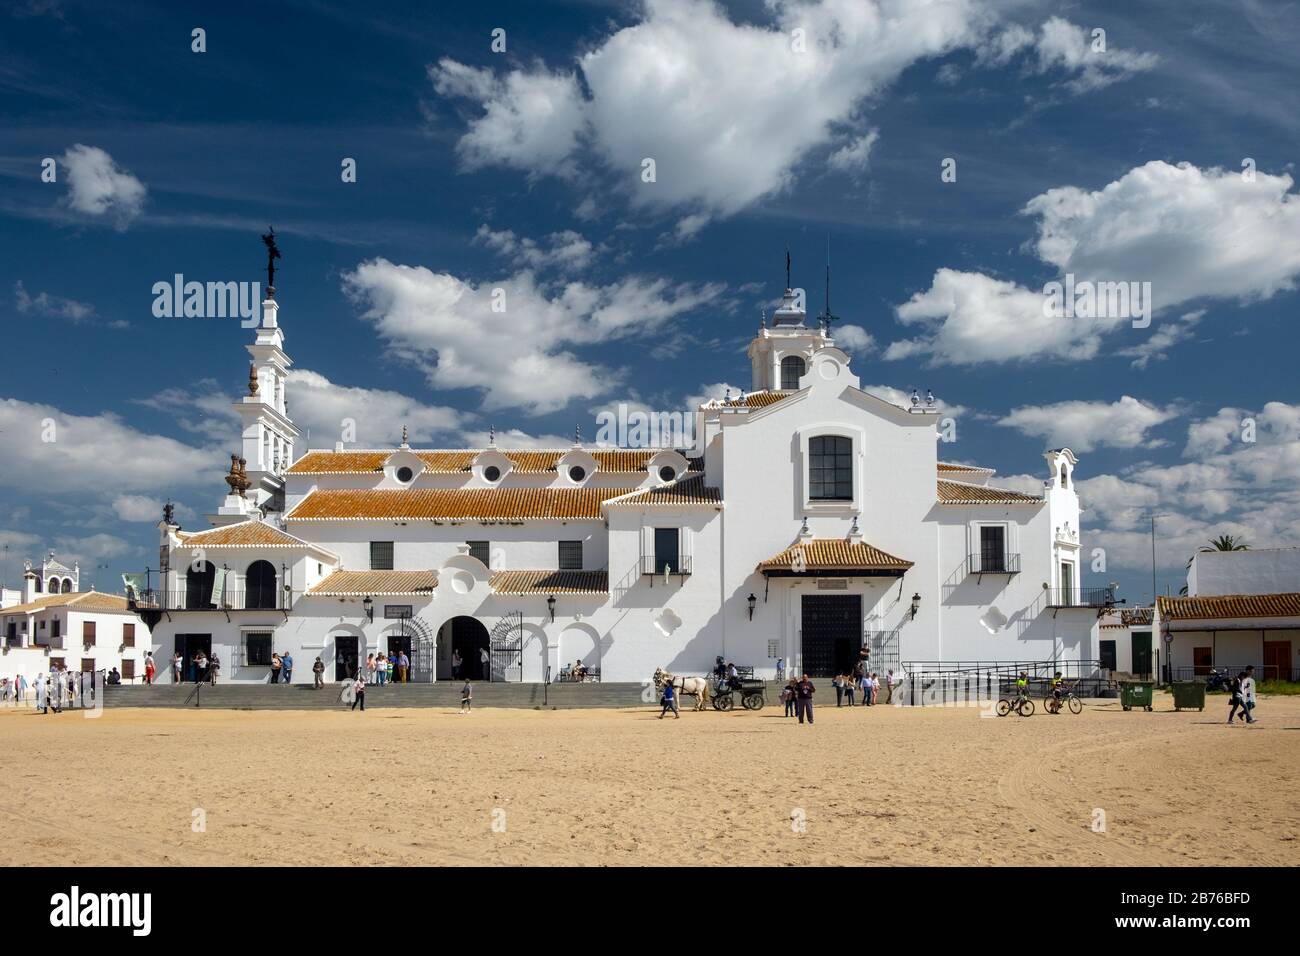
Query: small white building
[(808, 518), (1241, 608), (57, 627)]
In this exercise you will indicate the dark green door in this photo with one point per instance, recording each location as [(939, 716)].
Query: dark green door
[(1142, 652)]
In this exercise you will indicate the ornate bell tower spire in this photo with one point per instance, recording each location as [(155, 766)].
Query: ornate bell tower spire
[(781, 352), (268, 432)]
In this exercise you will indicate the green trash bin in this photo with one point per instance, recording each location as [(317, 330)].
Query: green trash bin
[(1136, 693), (1188, 694)]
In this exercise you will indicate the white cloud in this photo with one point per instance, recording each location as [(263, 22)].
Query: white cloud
[(896, 396), (1165, 336), (1084, 426), (97, 186), (44, 304), (566, 250), (1191, 233), (75, 460), (854, 338), (531, 120), (712, 392), (1060, 45), (514, 438), (137, 508), (854, 156), (1208, 436), (319, 408), (523, 356)]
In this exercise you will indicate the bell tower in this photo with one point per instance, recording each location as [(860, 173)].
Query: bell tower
[(268, 432), (780, 355)]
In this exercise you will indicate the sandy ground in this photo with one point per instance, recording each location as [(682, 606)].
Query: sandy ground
[(885, 785)]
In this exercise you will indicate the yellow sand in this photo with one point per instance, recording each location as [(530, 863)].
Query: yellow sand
[(885, 785)]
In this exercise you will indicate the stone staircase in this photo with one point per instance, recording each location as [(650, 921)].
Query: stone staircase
[(445, 694)]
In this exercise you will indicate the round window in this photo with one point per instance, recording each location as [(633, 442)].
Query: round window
[(404, 474), (492, 473), (666, 473), (577, 473)]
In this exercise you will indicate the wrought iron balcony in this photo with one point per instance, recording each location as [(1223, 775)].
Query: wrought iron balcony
[(994, 562), (654, 564), (182, 599), (1081, 597)]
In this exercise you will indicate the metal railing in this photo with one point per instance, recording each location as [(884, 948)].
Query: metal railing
[(994, 562), (939, 683), (1262, 671), (650, 564), (255, 599), (1080, 597), (590, 676)]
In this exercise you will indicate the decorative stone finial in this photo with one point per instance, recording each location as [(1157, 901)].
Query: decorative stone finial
[(252, 379), (404, 441), (492, 436), (577, 434), (237, 479)]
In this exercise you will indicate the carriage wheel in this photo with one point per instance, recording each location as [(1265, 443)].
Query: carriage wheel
[(724, 702), (753, 702), (1076, 705)]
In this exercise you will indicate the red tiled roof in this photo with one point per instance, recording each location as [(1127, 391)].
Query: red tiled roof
[(453, 504), (960, 493), (550, 582), (833, 554), (377, 583), (1227, 606), (687, 490), (454, 461)]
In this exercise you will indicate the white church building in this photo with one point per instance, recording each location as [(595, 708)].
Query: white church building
[(809, 518)]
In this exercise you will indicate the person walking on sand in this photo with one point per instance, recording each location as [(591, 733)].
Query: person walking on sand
[(41, 700), (787, 697), (1248, 694), (358, 693), (891, 681), (1234, 697), (803, 705), (318, 674), (149, 667), (669, 701), (466, 697), (850, 689)]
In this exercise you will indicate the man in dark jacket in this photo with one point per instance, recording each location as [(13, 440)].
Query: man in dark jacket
[(803, 699)]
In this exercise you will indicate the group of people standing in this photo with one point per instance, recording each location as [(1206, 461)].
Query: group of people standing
[(204, 668), (384, 669)]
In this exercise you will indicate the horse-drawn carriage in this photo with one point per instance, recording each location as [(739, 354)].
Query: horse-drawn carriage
[(750, 691)]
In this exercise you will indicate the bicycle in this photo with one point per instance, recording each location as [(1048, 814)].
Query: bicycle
[(1022, 705), (1069, 698)]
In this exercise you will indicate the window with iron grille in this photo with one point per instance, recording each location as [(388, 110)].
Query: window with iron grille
[(381, 555), (993, 549), (792, 369), (830, 468), (570, 555), (257, 649), (667, 549), (481, 550)]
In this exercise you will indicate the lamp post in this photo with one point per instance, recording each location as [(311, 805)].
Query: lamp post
[(369, 605), (752, 601), (916, 604)]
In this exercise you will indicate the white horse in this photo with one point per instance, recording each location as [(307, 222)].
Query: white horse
[(697, 687)]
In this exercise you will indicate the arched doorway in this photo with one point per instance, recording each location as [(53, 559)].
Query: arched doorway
[(259, 585), (198, 586), (468, 637)]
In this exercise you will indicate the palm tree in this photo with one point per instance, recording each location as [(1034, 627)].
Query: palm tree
[(1224, 542)]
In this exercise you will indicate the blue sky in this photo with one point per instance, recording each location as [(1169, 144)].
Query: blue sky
[(790, 123)]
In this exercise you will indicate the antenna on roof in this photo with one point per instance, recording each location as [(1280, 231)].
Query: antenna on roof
[(827, 317), (787, 265)]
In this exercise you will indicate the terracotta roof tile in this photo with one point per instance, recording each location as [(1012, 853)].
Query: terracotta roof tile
[(960, 493), (81, 600), (1227, 606), (550, 582), (955, 468), (833, 554), (454, 504), (455, 461), (377, 583), (687, 490), (246, 534)]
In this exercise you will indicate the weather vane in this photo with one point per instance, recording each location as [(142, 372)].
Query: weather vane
[(272, 253)]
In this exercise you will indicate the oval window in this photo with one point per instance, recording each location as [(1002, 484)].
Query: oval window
[(492, 473), (667, 473), (577, 473), (404, 474)]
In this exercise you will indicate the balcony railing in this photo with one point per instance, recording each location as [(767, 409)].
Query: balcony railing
[(652, 564), (255, 599), (994, 562), (1081, 597)]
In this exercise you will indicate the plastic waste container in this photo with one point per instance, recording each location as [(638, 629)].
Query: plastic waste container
[(1188, 694), (1136, 693)]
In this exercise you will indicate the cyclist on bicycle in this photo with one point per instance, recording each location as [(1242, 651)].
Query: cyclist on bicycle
[(1057, 689), (1022, 686)]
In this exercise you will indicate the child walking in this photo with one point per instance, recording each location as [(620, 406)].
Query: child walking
[(466, 697)]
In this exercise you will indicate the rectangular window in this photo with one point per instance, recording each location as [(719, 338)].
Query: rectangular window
[(570, 555), (56, 627), (88, 633), (257, 648), (993, 548), (830, 468), (481, 550), (128, 670), (667, 549), (1067, 583), (87, 665), (128, 635), (381, 555)]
